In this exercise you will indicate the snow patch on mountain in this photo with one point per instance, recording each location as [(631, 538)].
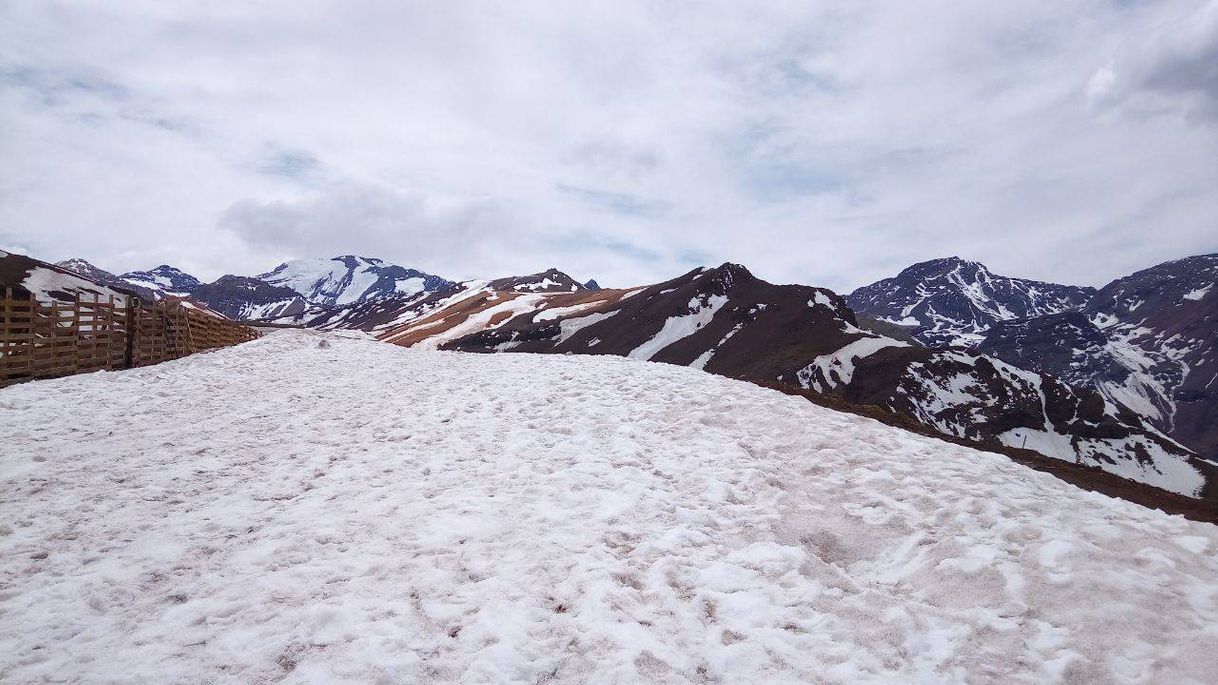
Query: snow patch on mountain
[(835, 369), (701, 311)]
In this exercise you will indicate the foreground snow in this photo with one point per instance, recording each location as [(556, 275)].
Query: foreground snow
[(363, 512)]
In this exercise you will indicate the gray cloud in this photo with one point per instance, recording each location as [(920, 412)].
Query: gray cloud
[(1174, 68), (819, 143)]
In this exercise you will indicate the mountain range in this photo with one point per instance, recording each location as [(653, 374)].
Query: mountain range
[(1145, 341), (1121, 377)]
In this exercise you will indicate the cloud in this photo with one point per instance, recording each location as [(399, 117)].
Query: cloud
[(373, 221), (823, 143), (1172, 69)]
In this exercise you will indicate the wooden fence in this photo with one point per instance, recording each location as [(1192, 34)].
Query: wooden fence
[(49, 339)]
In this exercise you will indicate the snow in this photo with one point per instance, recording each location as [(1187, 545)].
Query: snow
[(569, 327), (479, 321), (558, 312), (362, 512), (1199, 293), (41, 282), (837, 367), (544, 284), (702, 311), (266, 310), (1160, 470), (465, 290), (704, 358), (332, 282), (822, 299), (409, 286), (361, 280)]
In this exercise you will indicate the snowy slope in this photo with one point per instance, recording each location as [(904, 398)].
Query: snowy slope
[(49, 282), (361, 512)]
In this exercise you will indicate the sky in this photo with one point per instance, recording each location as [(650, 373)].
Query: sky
[(826, 143)]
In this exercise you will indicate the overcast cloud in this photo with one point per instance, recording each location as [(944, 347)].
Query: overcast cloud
[(826, 143)]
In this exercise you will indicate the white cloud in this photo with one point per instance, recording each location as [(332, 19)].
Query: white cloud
[(815, 142)]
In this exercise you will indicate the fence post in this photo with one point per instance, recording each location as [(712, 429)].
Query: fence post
[(32, 336), (128, 353)]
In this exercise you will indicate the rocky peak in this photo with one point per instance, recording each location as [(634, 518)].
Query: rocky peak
[(82, 267), (164, 279), (943, 266), (549, 281)]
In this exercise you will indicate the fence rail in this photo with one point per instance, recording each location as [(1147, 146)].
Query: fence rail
[(48, 339)]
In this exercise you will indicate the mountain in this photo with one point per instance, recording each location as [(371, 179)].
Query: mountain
[(1148, 341), (455, 299), (1169, 314), (149, 285), (349, 279), (303, 292), (548, 281), (83, 268), (164, 279), (64, 281), (251, 299), (727, 321), (954, 302)]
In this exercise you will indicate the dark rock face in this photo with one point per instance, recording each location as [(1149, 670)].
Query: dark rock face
[(592, 285), (164, 279), (1067, 344), (250, 299), (953, 302)]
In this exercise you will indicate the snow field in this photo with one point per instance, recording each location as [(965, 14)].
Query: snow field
[(282, 511)]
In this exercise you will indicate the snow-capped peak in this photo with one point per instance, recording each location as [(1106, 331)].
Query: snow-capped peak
[(549, 281), (164, 279), (954, 301), (347, 279)]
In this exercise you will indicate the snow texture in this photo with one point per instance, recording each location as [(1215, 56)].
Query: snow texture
[(292, 511)]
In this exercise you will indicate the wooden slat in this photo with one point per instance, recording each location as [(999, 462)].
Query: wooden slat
[(57, 338)]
